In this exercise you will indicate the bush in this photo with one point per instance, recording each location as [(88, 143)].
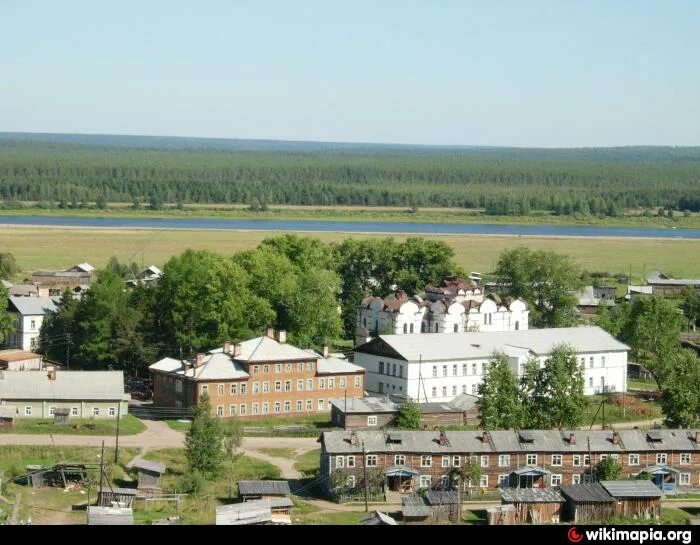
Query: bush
[(191, 482)]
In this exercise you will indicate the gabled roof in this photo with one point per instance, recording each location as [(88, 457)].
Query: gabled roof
[(333, 365), (586, 493), (85, 267), (34, 306), (660, 278), (68, 385), (531, 495), (216, 366), (263, 488), (441, 497), (365, 405), (14, 354), (479, 345), (414, 506), (155, 467), (266, 349)]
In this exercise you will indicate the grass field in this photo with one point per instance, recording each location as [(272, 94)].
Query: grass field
[(634, 409), (55, 248), (309, 462), (129, 425)]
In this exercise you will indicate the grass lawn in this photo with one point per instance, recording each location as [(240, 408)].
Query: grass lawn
[(309, 462), (674, 515), (634, 409), (474, 516), (202, 508), (642, 384), (42, 248), (278, 452), (326, 518), (177, 425), (51, 505), (129, 425)]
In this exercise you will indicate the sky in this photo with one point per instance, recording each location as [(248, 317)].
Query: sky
[(539, 73)]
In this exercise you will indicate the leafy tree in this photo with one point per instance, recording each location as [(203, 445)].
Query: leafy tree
[(409, 416), (469, 472), (608, 469), (546, 280), (8, 265), (680, 398), (204, 440), (101, 202), (303, 252), (652, 330), (691, 305), (155, 202), (500, 406), (232, 433), (554, 392), (123, 270), (7, 321), (59, 328), (613, 320)]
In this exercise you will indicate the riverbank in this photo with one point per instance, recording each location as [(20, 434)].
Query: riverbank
[(358, 214), (40, 248)]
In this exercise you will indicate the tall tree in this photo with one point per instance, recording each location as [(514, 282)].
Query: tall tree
[(691, 305), (7, 320), (652, 330), (680, 398), (8, 266), (546, 280), (555, 391), (409, 416), (500, 404), (203, 442), (58, 330)]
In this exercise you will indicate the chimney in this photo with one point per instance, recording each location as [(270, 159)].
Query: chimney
[(443, 438), (353, 438), (697, 437), (227, 347), (236, 350), (616, 438), (282, 336), (324, 352), (200, 359), (485, 437), (572, 439), (270, 332), (52, 374)]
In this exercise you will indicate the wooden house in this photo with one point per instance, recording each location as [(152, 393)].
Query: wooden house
[(149, 473), (637, 499), (262, 490), (534, 505), (588, 502)]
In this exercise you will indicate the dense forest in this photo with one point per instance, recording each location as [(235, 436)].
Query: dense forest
[(500, 181)]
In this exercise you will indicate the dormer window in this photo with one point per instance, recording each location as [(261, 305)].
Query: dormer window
[(526, 437), (654, 437)]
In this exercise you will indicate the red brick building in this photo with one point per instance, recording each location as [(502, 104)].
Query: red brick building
[(257, 378)]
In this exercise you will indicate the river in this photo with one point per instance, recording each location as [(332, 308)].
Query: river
[(302, 226)]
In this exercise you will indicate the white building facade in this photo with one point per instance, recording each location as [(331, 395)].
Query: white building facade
[(436, 368), (29, 313)]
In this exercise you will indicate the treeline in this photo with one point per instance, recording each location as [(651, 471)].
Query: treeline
[(503, 186), (310, 289)]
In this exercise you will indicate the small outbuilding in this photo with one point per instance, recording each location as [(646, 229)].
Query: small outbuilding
[(636, 499), (110, 516), (149, 473), (61, 415), (7, 416), (270, 511), (444, 504), (502, 515), (588, 502), (414, 510), (534, 505), (261, 490), (109, 495)]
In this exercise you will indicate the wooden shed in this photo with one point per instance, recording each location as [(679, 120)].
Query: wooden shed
[(502, 515), (108, 495), (588, 502), (270, 511), (637, 499), (534, 505), (149, 473), (260, 490), (414, 510), (8, 413), (444, 504), (61, 416)]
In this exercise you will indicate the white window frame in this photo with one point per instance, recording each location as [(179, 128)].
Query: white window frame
[(205, 389), (350, 482), (287, 406), (557, 460), (95, 411), (339, 461), (661, 458), (342, 382), (371, 460), (350, 461), (309, 366), (424, 481), (112, 411), (556, 479), (684, 479), (456, 460), (399, 459), (504, 460), (445, 461), (484, 462), (633, 459), (576, 460), (686, 458), (300, 405), (372, 420), (358, 381), (287, 385), (266, 387), (266, 408), (484, 481), (531, 457), (278, 407), (331, 383), (321, 384), (74, 411), (278, 386), (255, 408), (219, 410), (426, 460), (232, 410), (309, 384), (576, 478), (242, 409), (52, 411), (220, 389), (309, 405), (503, 480), (244, 388), (234, 389), (256, 387), (320, 405)]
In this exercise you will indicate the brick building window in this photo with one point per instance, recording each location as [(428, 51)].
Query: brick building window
[(320, 404), (339, 461), (556, 479), (576, 479), (278, 407), (219, 410), (300, 367), (309, 405), (685, 458), (503, 480), (256, 408), (371, 460), (244, 388), (278, 368), (266, 368), (288, 406), (242, 409), (424, 481), (232, 410), (342, 382), (256, 387), (661, 458), (288, 367), (321, 384), (455, 461), (300, 405), (684, 479), (234, 389), (256, 368), (399, 460), (310, 366), (287, 385), (445, 461), (220, 389), (484, 481), (504, 460), (586, 459), (358, 381), (331, 383), (300, 385), (278, 386), (350, 482), (350, 461), (633, 459), (484, 461), (205, 389), (266, 387), (532, 459), (556, 459), (426, 461), (266, 408)]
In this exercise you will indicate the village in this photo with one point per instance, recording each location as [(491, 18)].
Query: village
[(449, 404)]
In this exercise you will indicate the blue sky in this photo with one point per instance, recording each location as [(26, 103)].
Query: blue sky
[(509, 73)]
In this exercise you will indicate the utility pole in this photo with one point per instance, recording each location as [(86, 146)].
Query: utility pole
[(116, 447), (68, 351), (102, 472), (364, 469)]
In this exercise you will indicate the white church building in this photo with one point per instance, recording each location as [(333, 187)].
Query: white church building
[(438, 367)]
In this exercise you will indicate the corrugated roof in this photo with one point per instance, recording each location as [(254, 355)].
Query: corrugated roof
[(414, 506), (660, 278), (531, 495), (365, 405), (17, 355), (441, 497), (109, 516), (338, 442), (586, 493), (216, 366), (250, 512), (34, 306), (335, 365), (77, 385), (262, 349), (480, 345), (263, 488), (631, 489), (155, 467)]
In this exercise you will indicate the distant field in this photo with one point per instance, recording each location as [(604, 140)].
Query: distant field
[(50, 248)]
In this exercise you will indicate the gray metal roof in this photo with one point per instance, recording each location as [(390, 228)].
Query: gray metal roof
[(379, 518), (263, 488), (338, 442), (250, 512), (8, 411), (531, 495), (631, 489), (442, 497), (660, 278), (68, 385), (586, 493), (155, 467), (99, 515), (331, 365), (464, 402), (481, 345), (670, 439), (414, 506), (34, 306), (365, 405), (120, 491), (531, 470)]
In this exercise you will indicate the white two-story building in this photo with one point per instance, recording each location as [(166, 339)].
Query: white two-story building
[(29, 313), (438, 367)]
